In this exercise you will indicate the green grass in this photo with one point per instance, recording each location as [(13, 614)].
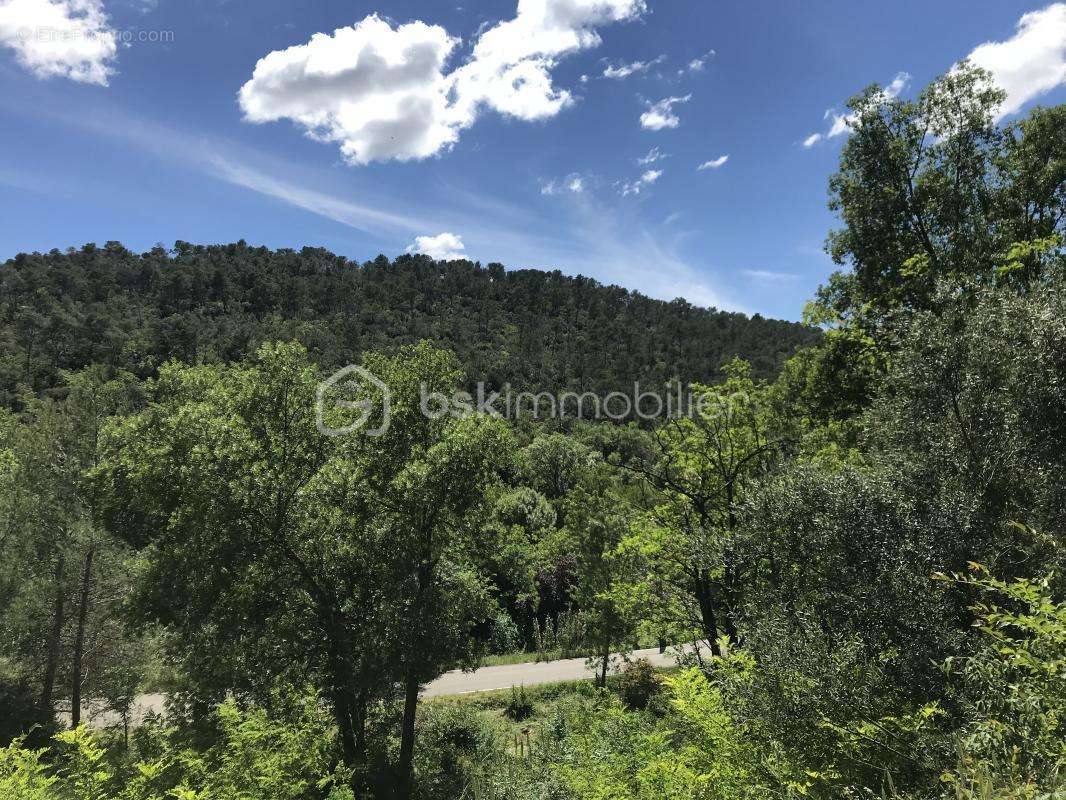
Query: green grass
[(531, 658), (551, 655)]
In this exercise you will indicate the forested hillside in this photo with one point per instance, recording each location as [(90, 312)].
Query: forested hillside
[(859, 560), (533, 329)]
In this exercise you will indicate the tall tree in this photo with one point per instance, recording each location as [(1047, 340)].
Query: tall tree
[(274, 551), (703, 465)]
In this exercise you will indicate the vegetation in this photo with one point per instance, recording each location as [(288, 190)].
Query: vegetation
[(531, 329), (865, 541)]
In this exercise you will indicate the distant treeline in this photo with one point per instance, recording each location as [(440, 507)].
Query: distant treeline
[(532, 329)]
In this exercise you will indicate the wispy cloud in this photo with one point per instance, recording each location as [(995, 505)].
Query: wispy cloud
[(843, 123), (654, 155), (768, 276), (623, 71), (714, 163), (604, 240), (643, 182), (698, 64), (574, 183)]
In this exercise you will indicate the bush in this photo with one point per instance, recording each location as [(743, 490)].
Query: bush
[(638, 684), (519, 705), (20, 715), (454, 744), (505, 637)]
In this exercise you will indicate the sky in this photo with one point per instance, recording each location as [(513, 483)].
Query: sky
[(677, 147)]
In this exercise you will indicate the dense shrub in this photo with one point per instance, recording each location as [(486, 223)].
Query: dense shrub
[(519, 705), (456, 742), (638, 684)]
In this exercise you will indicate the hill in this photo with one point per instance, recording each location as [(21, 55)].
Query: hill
[(532, 329)]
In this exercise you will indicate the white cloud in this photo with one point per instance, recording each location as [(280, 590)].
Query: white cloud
[(383, 93), (645, 180), (377, 91), (661, 114), (700, 64), (442, 247), (574, 183), (1030, 63), (843, 123), (60, 38), (625, 70), (655, 154), (510, 68), (714, 163)]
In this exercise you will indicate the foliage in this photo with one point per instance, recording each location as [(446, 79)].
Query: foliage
[(702, 467), (176, 502), (1014, 686), (638, 683), (217, 304), (519, 707), (256, 757)]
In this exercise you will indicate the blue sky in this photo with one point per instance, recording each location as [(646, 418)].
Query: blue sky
[(502, 131)]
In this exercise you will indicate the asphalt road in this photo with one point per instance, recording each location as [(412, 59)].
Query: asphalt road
[(504, 677), (455, 682)]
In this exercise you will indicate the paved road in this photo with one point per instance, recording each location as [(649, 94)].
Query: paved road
[(504, 677), (455, 682)]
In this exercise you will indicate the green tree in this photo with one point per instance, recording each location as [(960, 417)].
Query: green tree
[(276, 552), (704, 464), (612, 574)]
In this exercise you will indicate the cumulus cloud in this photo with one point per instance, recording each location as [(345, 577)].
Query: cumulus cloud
[(384, 93), (661, 114), (843, 123), (442, 247), (379, 92), (714, 163), (643, 182), (60, 38), (1030, 63), (623, 71)]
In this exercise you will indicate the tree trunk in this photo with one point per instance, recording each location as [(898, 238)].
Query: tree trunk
[(602, 678), (342, 715), (707, 614), (407, 738), (79, 639), (359, 723), (52, 662)]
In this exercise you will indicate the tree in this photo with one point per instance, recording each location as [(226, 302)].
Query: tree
[(60, 611), (423, 483), (275, 552), (612, 577), (704, 464)]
